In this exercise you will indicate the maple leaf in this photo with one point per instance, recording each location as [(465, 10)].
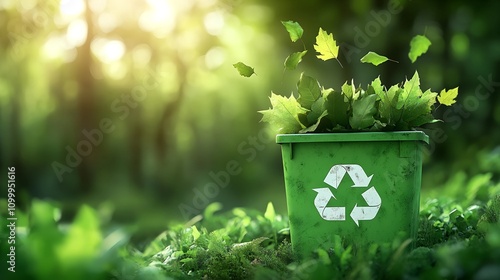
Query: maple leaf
[(388, 110), (411, 89), (284, 115), (326, 46), (418, 111), (447, 97)]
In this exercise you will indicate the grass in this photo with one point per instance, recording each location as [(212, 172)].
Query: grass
[(458, 238)]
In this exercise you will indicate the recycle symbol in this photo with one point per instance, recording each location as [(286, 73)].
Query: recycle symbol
[(361, 180)]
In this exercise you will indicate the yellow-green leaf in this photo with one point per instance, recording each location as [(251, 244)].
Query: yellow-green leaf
[(284, 116), (270, 214), (326, 46), (375, 58), (195, 233), (418, 46), (447, 97), (243, 69)]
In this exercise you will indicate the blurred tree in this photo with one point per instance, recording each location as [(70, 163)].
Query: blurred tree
[(68, 65)]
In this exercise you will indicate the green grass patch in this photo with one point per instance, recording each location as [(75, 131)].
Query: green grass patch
[(458, 238)]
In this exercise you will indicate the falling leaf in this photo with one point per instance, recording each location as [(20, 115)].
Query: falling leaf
[(418, 46), (375, 58), (294, 59), (326, 46), (294, 29), (447, 97), (243, 69)]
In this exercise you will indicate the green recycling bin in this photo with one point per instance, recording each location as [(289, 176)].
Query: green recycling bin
[(363, 187)]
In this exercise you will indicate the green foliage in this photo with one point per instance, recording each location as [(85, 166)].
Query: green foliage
[(458, 238), (418, 46), (372, 108), (49, 249), (246, 244)]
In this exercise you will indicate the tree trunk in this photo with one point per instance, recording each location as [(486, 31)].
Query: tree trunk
[(86, 102)]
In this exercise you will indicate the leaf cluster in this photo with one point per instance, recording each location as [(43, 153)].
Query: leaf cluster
[(354, 108), (241, 244)]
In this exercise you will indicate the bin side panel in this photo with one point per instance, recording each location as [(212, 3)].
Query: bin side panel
[(396, 181)]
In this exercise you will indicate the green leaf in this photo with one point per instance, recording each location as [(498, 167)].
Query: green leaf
[(284, 115), (418, 110), (84, 227), (213, 207), (447, 97), (388, 110), (270, 214), (350, 91), (375, 58), (309, 91), (195, 233), (323, 256), (326, 46), (243, 69), (316, 124), (378, 88), (337, 107), (418, 46), (317, 109), (363, 111), (315, 117), (294, 29), (411, 89), (294, 59)]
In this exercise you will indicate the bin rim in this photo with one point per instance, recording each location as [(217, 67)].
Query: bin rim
[(353, 137)]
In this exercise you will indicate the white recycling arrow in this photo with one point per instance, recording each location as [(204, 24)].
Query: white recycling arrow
[(360, 180), (367, 212), (356, 172), (328, 213)]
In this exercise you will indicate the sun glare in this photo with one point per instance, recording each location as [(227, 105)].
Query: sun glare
[(214, 22), (159, 18), (71, 8), (76, 33), (108, 51)]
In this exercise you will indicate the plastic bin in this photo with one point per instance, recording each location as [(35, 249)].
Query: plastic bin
[(364, 187)]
